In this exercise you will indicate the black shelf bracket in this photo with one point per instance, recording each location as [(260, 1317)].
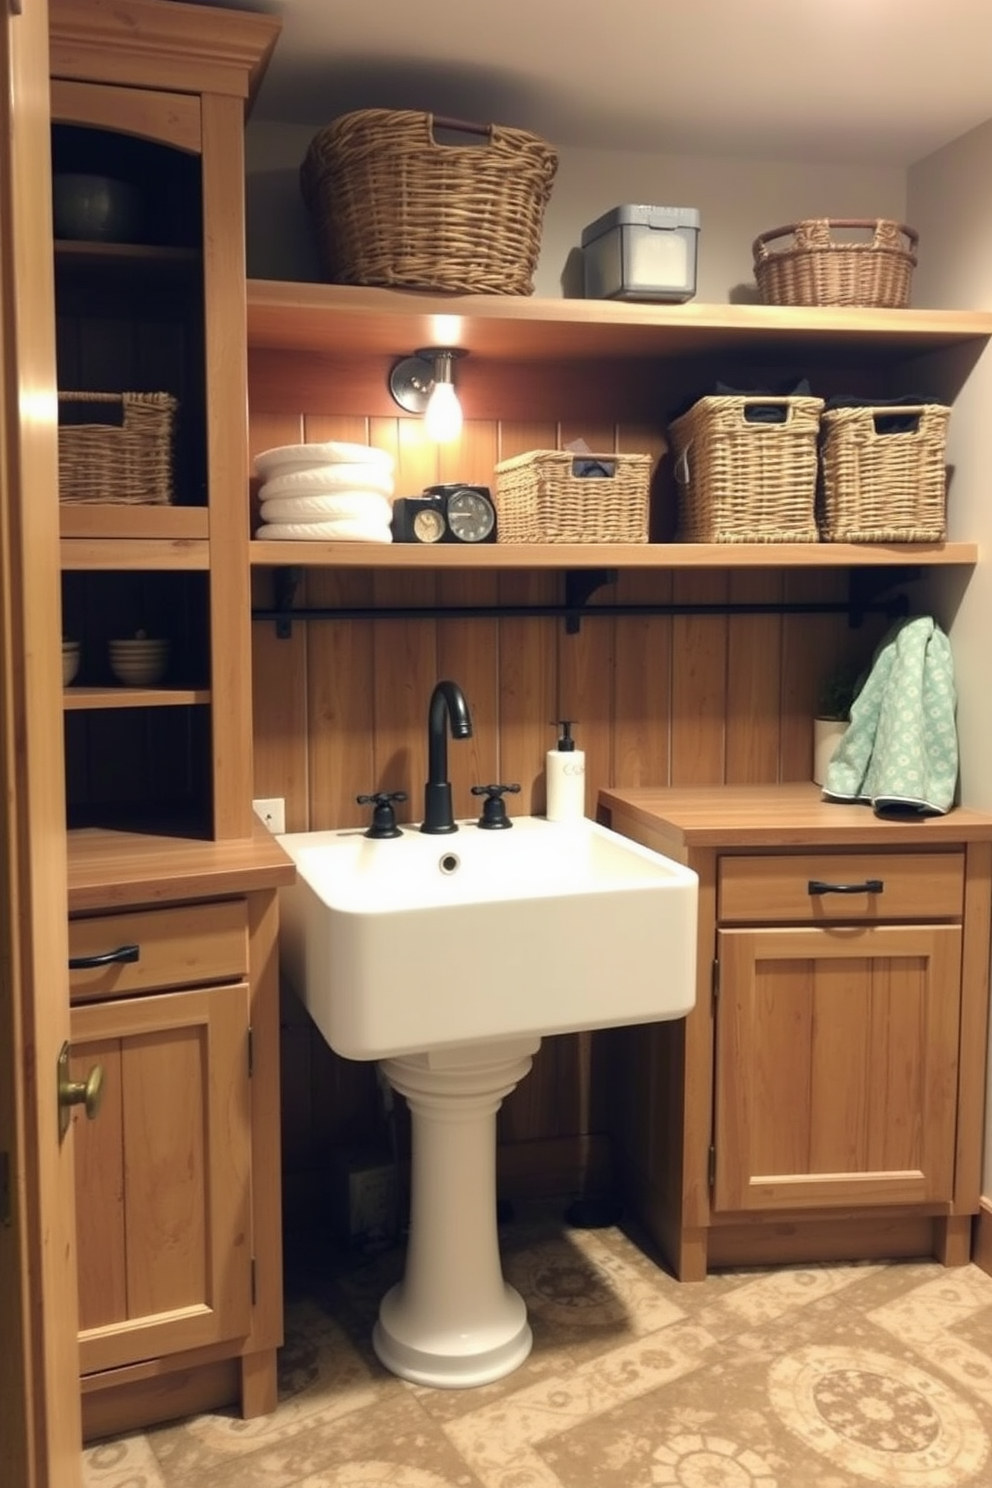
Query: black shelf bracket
[(580, 585), (285, 582), (867, 594), (867, 588)]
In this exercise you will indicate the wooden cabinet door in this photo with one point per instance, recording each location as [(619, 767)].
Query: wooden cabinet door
[(163, 1176), (836, 1067)]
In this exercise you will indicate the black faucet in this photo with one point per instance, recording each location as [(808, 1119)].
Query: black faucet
[(448, 708)]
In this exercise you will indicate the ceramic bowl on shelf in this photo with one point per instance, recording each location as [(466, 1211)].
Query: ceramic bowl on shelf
[(138, 661), (97, 209), (70, 661)]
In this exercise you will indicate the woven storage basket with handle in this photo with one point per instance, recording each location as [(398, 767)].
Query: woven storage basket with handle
[(541, 499), (882, 481), (742, 479), (393, 206), (126, 463), (813, 269)]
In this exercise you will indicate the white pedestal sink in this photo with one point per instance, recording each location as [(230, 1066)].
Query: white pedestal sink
[(447, 958)]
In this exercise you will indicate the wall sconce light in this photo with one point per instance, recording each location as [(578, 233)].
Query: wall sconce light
[(423, 384)]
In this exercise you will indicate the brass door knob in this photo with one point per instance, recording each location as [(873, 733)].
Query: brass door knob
[(87, 1093)]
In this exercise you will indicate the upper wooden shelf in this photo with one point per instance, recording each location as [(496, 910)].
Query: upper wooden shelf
[(345, 320), (615, 555)]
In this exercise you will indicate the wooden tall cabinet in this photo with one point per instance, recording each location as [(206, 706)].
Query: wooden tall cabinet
[(824, 1097), (155, 94), (172, 883)]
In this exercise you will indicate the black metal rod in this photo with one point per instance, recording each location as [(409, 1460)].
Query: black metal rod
[(892, 608)]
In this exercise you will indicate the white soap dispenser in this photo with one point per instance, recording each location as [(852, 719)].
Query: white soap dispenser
[(566, 778)]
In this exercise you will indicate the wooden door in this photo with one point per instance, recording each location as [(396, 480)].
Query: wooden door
[(163, 1182), (39, 1396), (836, 1067)]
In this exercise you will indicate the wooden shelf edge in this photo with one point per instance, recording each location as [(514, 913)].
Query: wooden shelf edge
[(620, 555), (79, 699), (106, 553), (95, 521), (349, 318)]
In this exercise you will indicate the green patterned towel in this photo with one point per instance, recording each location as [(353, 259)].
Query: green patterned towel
[(900, 751)]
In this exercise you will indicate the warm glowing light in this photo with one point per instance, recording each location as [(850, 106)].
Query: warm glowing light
[(443, 414)]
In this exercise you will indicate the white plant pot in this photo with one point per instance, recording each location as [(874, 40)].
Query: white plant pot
[(827, 734)]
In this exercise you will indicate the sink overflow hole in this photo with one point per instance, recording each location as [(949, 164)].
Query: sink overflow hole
[(449, 862)]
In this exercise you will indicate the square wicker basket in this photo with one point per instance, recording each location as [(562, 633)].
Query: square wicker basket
[(542, 498), (882, 481), (743, 478), (120, 463)]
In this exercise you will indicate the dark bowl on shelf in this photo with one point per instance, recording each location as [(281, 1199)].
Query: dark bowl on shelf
[(100, 209)]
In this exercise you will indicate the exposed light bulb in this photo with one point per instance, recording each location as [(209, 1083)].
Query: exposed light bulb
[(443, 414)]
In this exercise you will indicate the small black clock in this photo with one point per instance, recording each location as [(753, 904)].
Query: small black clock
[(452, 513)]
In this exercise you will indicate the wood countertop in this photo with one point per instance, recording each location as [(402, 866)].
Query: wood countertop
[(769, 816), (110, 869)]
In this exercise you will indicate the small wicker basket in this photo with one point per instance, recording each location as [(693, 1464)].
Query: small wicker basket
[(540, 498), (742, 479), (393, 206), (127, 463), (882, 484), (813, 269)]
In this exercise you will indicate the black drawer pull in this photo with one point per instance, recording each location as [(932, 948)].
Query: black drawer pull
[(106, 958), (870, 886)]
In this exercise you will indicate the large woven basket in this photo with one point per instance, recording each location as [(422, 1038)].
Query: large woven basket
[(882, 482), (814, 269), (392, 205), (742, 479), (541, 498), (123, 463)]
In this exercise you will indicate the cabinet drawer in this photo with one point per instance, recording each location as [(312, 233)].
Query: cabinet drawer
[(916, 886), (183, 946)]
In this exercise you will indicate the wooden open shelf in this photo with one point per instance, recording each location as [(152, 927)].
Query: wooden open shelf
[(346, 320), (78, 699), (618, 555)]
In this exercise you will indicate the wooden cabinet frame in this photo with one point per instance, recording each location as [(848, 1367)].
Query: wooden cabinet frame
[(663, 1130)]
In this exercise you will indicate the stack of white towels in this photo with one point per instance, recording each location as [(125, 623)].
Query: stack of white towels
[(335, 491)]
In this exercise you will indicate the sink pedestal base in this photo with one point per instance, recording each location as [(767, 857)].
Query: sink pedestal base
[(453, 1321)]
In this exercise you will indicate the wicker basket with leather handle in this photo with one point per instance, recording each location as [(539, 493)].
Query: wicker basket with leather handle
[(814, 269), (392, 205)]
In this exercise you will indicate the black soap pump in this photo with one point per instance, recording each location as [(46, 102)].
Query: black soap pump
[(566, 777)]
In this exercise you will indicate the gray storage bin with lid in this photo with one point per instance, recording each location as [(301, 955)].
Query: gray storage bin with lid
[(641, 253)]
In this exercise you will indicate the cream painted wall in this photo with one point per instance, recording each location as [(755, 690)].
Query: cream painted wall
[(737, 199), (950, 205)]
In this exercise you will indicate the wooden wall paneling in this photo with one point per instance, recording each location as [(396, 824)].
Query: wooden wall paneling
[(642, 681), (341, 762), (404, 652), (699, 668), (586, 657), (279, 698), (754, 652), (528, 682), (340, 667), (468, 649)]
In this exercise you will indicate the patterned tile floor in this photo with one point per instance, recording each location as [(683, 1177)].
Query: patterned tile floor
[(803, 1377)]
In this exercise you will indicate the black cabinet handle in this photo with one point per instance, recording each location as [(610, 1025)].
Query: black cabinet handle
[(870, 886), (106, 958)]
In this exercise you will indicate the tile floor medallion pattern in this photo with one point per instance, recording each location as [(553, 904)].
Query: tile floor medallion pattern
[(834, 1376)]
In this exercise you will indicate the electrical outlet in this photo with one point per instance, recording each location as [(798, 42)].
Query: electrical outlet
[(272, 812)]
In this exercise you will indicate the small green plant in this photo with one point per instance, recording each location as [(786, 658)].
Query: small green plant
[(837, 692)]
